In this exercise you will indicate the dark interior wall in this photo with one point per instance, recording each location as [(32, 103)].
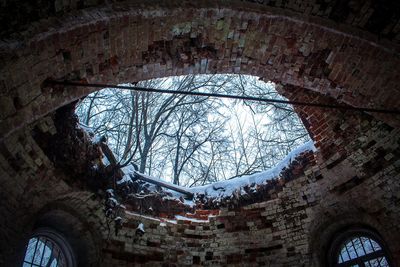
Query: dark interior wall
[(355, 181), (128, 42), (353, 184), (377, 17), (35, 194), (356, 184)]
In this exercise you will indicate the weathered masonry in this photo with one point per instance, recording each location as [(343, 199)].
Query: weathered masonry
[(343, 52)]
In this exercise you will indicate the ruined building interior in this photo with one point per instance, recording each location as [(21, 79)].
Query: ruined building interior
[(338, 192)]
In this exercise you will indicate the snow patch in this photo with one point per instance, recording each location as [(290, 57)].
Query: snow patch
[(228, 187), (160, 220), (127, 170), (183, 218), (141, 227)]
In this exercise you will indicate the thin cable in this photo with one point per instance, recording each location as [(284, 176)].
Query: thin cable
[(249, 98)]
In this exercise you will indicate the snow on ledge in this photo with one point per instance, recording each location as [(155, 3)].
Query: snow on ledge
[(163, 221), (184, 218), (227, 187)]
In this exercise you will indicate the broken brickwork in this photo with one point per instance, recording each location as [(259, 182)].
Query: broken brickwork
[(335, 52), (123, 43), (294, 227), (291, 226)]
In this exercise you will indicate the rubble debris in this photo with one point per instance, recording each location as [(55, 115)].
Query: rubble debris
[(90, 161)]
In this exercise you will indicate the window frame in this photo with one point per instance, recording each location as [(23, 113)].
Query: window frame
[(342, 237), (56, 238)]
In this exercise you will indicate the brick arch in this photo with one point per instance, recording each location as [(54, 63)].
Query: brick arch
[(78, 216), (363, 15), (128, 43), (328, 227)]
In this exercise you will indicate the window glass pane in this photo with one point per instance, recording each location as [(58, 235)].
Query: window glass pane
[(383, 262), (378, 262), (367, 245), (344, 254), (375, 245), (30, 250), (351, 250), (358, 246), (54, 263), (340, 260), (47, 253), (38, 252), (374, 263)]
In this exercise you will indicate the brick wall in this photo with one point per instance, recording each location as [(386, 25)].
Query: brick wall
[(372, 16), (293, 226), (125, 43), (31, 187), (298, 45)]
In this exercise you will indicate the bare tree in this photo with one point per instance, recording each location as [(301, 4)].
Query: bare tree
[(195, 140)]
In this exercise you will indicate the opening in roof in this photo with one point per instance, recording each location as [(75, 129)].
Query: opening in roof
[(195, 140)]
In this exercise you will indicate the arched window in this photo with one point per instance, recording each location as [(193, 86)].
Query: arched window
[(48, 248), (359, 248)]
